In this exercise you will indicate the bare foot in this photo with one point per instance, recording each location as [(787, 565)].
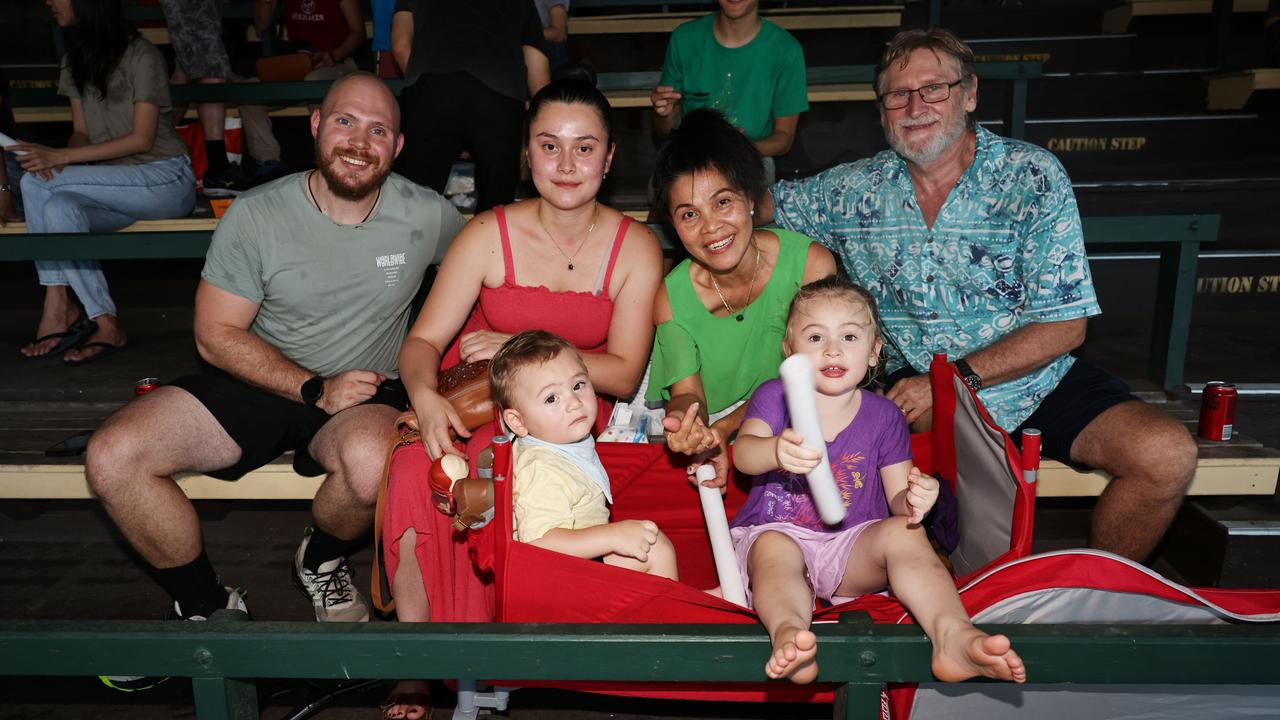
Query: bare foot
[(795, 656), (57, 316), (968, 652), (108, 332), (409, 700)]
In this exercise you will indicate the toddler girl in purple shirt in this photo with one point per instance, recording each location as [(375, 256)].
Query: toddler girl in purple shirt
[(788, 557)]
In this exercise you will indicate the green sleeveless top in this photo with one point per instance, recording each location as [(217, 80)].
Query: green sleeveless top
[(733, 358)]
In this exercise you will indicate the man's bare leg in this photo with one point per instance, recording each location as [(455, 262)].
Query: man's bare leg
[(353, 447), (1151, 459), (130, 463)]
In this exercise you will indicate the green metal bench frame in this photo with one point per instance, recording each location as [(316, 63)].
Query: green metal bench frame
[(222, 657)]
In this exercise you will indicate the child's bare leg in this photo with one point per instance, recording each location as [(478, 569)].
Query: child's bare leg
[(897, 554), (661, 562), (784, 602), (409, 699)]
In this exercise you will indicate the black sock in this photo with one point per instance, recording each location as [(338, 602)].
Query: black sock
[(217, 152), (323, 547), (194, 586)]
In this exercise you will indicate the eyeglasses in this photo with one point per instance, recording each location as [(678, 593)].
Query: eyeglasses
[(931, 93)]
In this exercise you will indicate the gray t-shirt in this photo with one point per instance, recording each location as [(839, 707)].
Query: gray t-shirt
[(140, 76), (331, 297)]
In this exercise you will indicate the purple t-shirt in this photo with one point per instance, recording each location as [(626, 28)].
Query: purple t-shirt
[(877, 437)]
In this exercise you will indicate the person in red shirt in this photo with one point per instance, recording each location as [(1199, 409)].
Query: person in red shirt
[(330, 31)]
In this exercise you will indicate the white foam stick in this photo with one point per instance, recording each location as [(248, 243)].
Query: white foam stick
[(721, 544), (6, 141), (797, 377)]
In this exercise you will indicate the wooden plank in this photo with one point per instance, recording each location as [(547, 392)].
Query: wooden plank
[(1116, 19), (1249, 471), (66, 482), (1232, 91), (62, 113), (1214, 476)]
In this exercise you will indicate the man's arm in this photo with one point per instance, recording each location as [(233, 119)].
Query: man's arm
[(1022, 351), (779, 143), (557, 31), (539, 68), (264, 14), (402, 38), (1026, 349), (354, 18), (223, 339)]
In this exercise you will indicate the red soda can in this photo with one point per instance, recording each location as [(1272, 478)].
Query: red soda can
[(1217, 411), (146, 385)]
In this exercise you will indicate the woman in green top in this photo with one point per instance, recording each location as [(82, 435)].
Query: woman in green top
[(721, 314)]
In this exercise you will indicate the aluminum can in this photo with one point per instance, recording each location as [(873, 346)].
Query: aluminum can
[(1217, 411), (146, 385)]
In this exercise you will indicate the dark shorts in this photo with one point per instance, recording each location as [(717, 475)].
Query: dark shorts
[(265, 425), (1084, 393)]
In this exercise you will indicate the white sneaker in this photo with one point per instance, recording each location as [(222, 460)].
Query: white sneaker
[(331, 588), (134, 683)]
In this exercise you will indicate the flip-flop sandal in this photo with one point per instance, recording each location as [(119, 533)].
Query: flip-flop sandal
[(421, 699), (69, 338), (107, 349)]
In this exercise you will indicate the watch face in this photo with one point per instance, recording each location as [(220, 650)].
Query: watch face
[(312, 390)]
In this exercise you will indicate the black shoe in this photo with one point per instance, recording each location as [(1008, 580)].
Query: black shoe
[(227, 182), (134, 683)]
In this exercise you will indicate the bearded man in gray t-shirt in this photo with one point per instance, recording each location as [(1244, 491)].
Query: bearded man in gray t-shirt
[(300, 313)]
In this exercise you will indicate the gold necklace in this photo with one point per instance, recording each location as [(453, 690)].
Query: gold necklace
[(751, 289), (594, 217)]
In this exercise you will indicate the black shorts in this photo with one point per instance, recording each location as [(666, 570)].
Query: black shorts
[(1084, 393), (265, 425)]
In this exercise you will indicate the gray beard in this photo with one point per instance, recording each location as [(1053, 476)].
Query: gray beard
[(927, 154)]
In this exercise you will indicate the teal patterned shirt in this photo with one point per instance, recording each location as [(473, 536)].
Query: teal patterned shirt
[(1006, 251)]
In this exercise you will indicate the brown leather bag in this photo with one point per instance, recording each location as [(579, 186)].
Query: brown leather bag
[(466, 387)]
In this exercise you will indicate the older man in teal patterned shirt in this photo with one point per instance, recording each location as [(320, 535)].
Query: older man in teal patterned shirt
[(972, 245)]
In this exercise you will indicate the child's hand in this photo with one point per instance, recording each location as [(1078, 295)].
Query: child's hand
[(922, 493), (688, 434), (793, 456), (634, 538)]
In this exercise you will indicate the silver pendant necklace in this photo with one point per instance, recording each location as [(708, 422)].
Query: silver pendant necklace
[(594, 217)]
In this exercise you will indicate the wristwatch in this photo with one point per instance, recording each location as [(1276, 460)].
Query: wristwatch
[(971, 378), (312, 390)]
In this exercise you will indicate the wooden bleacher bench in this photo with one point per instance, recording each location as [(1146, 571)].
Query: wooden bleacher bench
[(1242, 467), (1231, 91), (1116, 19)]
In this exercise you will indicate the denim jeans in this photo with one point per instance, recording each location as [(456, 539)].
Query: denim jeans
[(102, 198)]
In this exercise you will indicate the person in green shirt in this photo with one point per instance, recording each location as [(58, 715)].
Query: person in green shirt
[(720, 314), (744, 66)]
